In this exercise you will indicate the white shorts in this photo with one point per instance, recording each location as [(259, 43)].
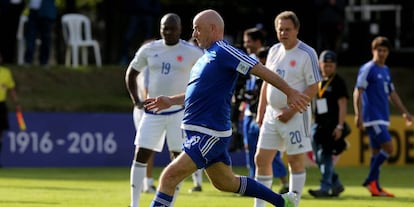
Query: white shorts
[(137, 116), (294, 137), (154, 129)]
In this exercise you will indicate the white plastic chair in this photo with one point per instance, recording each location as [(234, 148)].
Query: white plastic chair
[(77, 34)]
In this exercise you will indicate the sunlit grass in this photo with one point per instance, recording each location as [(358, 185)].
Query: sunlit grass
[(93, 187)]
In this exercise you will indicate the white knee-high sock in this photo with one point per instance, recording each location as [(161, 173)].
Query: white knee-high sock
[(148, 182), (136, 180), (197, 177), (297, 182), (266, 180)]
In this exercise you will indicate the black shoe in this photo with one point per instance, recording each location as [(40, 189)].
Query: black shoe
[(337, 190), (319, 193), (196, 189)]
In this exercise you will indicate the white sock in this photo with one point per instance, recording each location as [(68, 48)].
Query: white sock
[(197, 177), (148, 182), (177, 190), (136, 180), (297, 182), (266, 180)]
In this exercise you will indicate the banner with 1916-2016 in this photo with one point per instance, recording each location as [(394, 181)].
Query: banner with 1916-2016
[(69, 139), (75, 140)]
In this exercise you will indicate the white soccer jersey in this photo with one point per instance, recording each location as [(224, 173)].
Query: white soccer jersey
[(297, 66), (168, 66)]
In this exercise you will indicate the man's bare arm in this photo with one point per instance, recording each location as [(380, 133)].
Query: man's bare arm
[(163, 102), (132, 86), (296, 99)]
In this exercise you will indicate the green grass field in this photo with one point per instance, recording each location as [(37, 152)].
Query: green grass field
[(98, 187)]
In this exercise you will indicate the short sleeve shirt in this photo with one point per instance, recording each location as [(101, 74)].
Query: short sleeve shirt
[(377, 84), (334, 91), (297, 66), (211, 87), (168, 66), (6, 83)]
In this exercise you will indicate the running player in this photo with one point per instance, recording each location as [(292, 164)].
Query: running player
[(207, 123)]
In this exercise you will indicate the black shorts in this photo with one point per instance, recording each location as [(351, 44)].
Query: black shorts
[(4, 117)]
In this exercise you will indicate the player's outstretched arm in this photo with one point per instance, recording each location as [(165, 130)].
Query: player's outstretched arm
[(163, 102), (296, 99)]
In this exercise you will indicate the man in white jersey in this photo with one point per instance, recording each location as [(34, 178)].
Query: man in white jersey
[(207, 123), (169, 61), (282, 127)]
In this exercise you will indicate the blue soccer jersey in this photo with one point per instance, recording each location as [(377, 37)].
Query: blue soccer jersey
[(377, 84), (210, 89)]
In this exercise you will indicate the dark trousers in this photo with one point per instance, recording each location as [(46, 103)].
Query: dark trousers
[(41, 26)]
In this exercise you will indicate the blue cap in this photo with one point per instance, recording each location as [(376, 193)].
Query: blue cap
[(328, 56)]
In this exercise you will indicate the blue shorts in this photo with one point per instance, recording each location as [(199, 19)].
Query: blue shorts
[(205, 149), (378, 134)]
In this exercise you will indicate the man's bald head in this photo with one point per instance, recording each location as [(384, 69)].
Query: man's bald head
[(211, 17), (208, 28)]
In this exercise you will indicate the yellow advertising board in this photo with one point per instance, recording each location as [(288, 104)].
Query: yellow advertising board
[(358, 152)]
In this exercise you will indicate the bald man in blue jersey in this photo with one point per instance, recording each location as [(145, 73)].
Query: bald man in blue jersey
[(206, 122)]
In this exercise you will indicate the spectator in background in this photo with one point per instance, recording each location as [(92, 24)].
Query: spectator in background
[(7, 87), (10, 12), (169, 61), (281, 126), (331, 23), (373, 89), (141, 21), (42, 16), (329, 126), (253, 42)]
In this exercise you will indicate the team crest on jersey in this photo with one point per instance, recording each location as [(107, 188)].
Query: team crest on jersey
[(180, 58), (292, 63), (243, 68)]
